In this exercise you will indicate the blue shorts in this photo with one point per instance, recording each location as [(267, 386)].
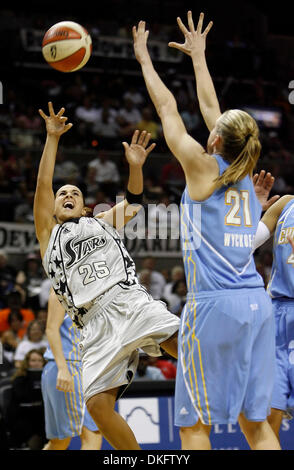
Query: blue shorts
[(226, 358), (65, 412), (283, 393)]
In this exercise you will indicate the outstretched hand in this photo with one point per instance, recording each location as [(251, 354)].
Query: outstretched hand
[(55, 123), (263, 183), (137, 152), (140, 36), (195, 40)]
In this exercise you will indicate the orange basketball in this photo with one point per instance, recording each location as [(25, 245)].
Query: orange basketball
[(67, 46)]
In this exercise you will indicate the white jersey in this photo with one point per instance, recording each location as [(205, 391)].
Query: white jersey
[(85, 258)]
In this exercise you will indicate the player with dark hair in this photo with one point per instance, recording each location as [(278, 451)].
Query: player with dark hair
[(94, 277)]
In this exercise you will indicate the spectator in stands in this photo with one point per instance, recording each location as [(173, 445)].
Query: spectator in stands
[(44, 293), (152, 190), (65, 169), (23, 212), (163, 219), (107, 175), (178, 298), (145, 279), (100, 199), (15, 305), (25, 417), (128, 118), (145, 369), (166, 365), (157, 283), (134, 95), (173, 178), (177, 274), (191, 117), (9, 344), (86, 116), (30, 278), (28, 119), (33, 340), (149, 124), (7, 278), (106, 128)]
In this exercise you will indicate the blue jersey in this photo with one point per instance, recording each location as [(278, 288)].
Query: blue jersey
[(217, 237), (70, 337), (281, 283)]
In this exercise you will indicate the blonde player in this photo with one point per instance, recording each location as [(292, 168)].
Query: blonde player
[(94, 277), (226, 360)]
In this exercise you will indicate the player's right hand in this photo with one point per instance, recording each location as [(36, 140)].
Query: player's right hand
[(55, 123), (64, 381)]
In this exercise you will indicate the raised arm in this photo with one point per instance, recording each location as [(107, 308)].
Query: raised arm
[(136, 154), (54, 321), (186, 149), (44, 196), (194, 46)]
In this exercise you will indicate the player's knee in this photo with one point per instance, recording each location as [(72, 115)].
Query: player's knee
[(99, 408), (197, 429)]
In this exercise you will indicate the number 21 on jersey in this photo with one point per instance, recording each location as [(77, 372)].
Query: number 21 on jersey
[(236, 199)]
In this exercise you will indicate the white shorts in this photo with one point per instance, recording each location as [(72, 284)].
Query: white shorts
[(122, 321)]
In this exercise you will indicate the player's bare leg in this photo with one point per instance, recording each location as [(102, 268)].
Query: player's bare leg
[(112, 426), (275, 421), (195, 437), (90, 440), (57, 444), (259, 435), (171, 345)]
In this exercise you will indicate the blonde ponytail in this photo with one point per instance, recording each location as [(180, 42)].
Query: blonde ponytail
[(241, 146)]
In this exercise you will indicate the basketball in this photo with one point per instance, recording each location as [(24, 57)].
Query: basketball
[(67, 46)]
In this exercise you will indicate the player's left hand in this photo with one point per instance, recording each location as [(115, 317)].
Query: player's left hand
[(137, 152), (263, 183), (195, 39)]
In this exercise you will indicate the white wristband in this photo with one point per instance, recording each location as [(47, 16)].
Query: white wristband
[(262, 235)]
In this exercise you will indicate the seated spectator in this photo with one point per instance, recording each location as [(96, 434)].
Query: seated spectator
[(30, 278), (106, 127), (33, 340), (25, 417), (134, 95), (177, 299), (29, 119), (15, 305), (166, 365), (41, 316), (157, 282), (107, 175), (7, 278), (24, 212), (44, 293), (146, 371), (9, 344), (177, 274), (86, 116), (128, 117), (152, 190), (148, 124), (163, 219), (65, 169), (145, 279), (99, 199), (173, 177), (191, 117)]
